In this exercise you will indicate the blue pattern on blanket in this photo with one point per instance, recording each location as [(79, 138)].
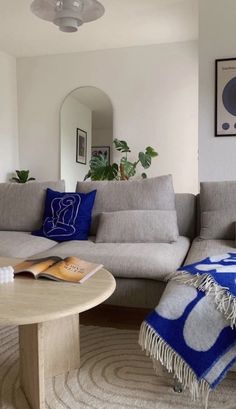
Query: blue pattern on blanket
[(172, 331), (192, 331), (221, 268)]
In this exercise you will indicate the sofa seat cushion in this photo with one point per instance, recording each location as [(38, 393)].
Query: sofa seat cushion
[(133, 260), (201, 249), (22, 244)]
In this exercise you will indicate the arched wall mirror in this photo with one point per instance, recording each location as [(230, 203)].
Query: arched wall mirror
[(86, 129)]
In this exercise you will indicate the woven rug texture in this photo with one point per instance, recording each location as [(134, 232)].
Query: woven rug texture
[(114, 374)]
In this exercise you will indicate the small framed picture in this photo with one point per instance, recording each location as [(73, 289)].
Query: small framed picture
[(81, 146), (225, 97), (101, 150)]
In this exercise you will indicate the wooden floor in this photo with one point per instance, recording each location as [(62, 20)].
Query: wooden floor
[(114, 316)]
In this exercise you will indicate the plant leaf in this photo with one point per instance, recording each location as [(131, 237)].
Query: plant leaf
[(129, 167), (22, 173), (121, 146), (98, 161), (112, 171), (145, 160), (101, 170), (23, 176), (15, 180), (88, 175), (151, 152)]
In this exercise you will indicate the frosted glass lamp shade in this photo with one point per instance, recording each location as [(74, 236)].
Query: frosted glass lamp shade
[(68, 14)]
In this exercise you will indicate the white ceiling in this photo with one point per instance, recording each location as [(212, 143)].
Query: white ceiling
[(125, 23)]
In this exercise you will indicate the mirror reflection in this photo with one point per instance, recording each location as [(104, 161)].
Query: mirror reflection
[(86, 129)]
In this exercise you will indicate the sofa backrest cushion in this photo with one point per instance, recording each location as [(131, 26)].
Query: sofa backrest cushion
[(138, 226), (186, 208), (22, 205), (146, 194), (218, 210)]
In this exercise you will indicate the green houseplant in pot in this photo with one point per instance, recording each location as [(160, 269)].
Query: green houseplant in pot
[(100, 169), (22, 176)]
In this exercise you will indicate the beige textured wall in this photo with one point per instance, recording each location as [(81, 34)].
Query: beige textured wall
[(8, 117), (154, 92)]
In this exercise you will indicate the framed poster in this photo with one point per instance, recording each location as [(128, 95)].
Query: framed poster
[(101, 150), (81, 146), (225, 97)]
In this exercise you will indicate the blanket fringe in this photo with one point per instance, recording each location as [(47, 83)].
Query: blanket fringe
[(225, 302), (159, 350)]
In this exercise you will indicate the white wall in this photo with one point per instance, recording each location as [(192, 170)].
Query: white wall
[(74, 115), (8, 117), (217, 155), (154, 91)]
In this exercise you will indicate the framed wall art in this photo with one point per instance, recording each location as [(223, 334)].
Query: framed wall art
[(225, 97), (81, 146), (104, 150)]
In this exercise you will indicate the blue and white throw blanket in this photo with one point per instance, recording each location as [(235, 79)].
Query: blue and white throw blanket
[(192, 331)]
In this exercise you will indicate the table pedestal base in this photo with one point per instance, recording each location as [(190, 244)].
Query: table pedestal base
[(47, 349)]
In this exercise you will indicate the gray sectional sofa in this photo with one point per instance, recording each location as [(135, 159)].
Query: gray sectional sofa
[(140, 268)]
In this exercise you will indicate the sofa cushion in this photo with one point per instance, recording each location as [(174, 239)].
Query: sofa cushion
[(67, 216), (22, 244), (186, 209), (201, 249), (145, 194), (138, 226), (218, 210), (22, 205), (133, 260)]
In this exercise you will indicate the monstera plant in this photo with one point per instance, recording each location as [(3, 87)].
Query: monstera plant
[(23, 176), (100, 169)]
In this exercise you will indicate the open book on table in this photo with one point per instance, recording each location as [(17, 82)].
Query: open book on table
[(70, 269)]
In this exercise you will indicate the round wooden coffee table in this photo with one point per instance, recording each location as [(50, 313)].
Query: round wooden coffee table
[(47, 313)]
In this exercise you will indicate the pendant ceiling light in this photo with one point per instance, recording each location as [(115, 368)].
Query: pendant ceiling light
[(68, 14)]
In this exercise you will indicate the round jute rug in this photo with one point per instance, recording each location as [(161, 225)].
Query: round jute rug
[(114, 374)]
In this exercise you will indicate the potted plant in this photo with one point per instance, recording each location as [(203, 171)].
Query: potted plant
[(23, 176), (100, 169)]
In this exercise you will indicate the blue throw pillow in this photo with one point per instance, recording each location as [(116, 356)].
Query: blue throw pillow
[(67, 216)]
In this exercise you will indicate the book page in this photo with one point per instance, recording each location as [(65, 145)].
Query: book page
[(71, 269), (35, 266)]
